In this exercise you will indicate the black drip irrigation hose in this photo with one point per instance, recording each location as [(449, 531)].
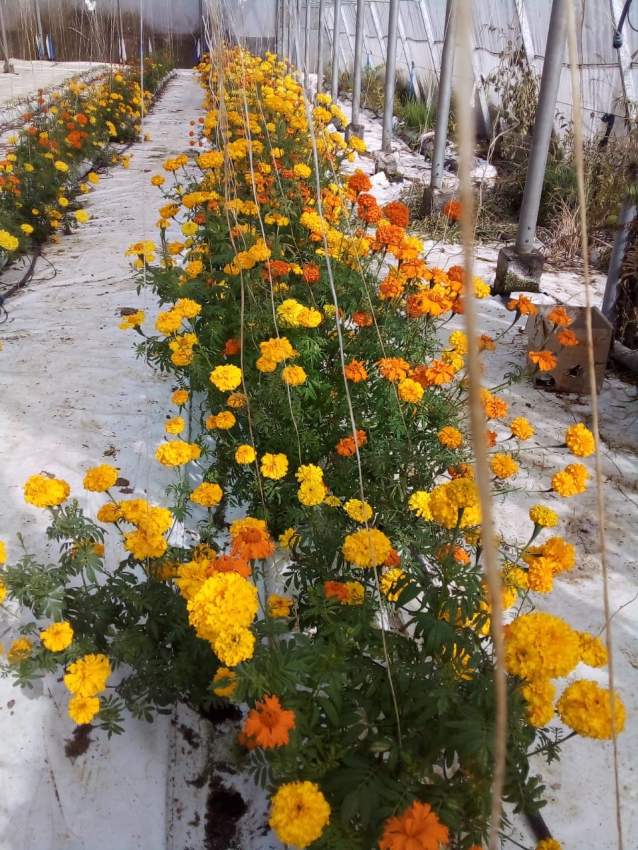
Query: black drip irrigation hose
[(538, 826), (37, 253)]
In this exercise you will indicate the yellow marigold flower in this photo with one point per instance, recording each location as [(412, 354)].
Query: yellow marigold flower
[(245, 454), (419, 502), (543, 516), (392, 583), (100, 478), (224, 682), (87, 676), (265, 365), (180, 397), (175, 425), (177, 453), (19, 650), (456, 503), (207, 494), (302, 170), (549, 844), (571, 481), (8, 242), (541, 645), (3, 552), (308, 473), (299, 813), (168, 322), (580, 440), (234, 645), (109, 512), (458, 341), (515, 577), (83, 709), (358, 510), (312, 493), (587, 708), (57, 636), (450, 437), (187, 308), (132, 320), (367, 547), (226, 378), (26, 229), (592, 650), (557, 550), (277, 349), (503, 465), (45, 492), (540, 576), (521, 428), (288, 538), (410, 391), (224, 420), (60, 166), (279, 606), (539, 695), (143, 544), (224, 600), (274, 466), (294, 376)]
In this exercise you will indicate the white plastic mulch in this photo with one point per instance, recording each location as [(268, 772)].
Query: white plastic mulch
[(29, 76), (73, 392)]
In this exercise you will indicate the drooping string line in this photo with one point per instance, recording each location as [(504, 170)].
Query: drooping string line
[(591, 371), (466, 133)]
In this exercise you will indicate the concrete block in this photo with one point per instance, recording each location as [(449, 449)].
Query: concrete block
[(517, 272), (571, 372)]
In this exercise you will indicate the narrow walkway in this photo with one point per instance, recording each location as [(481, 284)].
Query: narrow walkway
[(73, 395)]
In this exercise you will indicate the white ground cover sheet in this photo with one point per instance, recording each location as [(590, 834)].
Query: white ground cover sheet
[(72, 391), (28, 77)]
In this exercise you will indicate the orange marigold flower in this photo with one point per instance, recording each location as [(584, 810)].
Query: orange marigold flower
[(522, 305), (311, 273), (356, 371), (452, 210), (428, 302), (276, 268), (268, 724), (567, 338), (345, 592), (389, 234), (397, 213), (486, 343), (456, 273), (250, 539), (229, 564), (393, 559), (392, 286), (450, 437), (346, 446), (494, 407), (361, 319), (560, 316), (393, 369), (232, 346), (545, 361), (359, 182), (416, 828), (436, 374), (368, 209)]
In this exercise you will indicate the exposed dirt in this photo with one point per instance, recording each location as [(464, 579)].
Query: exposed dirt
[(224, 808), (79, 742)]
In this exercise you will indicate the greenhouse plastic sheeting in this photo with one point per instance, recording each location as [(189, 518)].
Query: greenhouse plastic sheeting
[(607, 74)]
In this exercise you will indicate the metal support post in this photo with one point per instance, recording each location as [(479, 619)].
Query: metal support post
[(521, 267), (335, 50), (8, 67), (320, 48), (442, 109), (610, 298), (306, 43), (355, 126), (390, 76)]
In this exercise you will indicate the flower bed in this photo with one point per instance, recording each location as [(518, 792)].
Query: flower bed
[(48, 161), (318, 394)]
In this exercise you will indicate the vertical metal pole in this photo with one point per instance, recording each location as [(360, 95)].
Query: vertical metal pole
[(297, 32), (8, 67), (306, 42), (38, 23), (356, 76), (543, 125), (320, 49), (625, 220), (335, 50), (390, 76), (443, 100)]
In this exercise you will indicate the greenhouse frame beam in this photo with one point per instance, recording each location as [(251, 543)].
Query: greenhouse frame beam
[(521, 266), (306, 44), (390, 76), (355, 126), (8, 67), (320, 26), (409, 62), (336, 26), (429, 35), (442, 110), (377, 28)]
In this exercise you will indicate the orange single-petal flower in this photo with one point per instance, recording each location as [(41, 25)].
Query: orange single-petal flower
[(356, 371), (522, 305), (560, 316), (346, 446), (567, 338), (452, 210), (268, 724), (417, 828), (544, 360)]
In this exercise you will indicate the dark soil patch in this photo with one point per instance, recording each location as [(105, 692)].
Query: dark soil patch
[(224, 808), (190, 736), (79, 742), (217, 714)]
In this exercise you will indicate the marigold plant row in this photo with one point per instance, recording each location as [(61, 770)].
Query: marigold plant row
[(320, 421)]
